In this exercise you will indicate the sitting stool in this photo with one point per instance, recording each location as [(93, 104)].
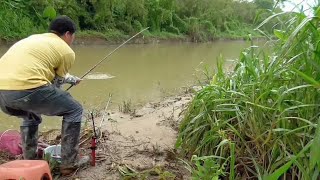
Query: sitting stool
[(25, 170)]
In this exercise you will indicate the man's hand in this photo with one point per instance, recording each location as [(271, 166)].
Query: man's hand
[(73, 80), (58, 81)]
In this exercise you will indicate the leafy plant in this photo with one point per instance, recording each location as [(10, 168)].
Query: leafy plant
[(49, 12), (206, 168), (267, 106), (202, 20), (157, 171)]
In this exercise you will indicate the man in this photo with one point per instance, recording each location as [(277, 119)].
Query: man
[(27, 71)]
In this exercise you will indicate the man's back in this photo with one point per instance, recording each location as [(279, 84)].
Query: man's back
[(34, 61)]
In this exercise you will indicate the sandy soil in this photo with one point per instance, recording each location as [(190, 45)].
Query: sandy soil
[(139, 144)]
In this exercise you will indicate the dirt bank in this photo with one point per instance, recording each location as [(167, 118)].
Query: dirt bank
[(87, 40), (140, 144), (134, 145), (96, 40), (93, 40)]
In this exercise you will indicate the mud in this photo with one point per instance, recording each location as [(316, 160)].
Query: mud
[(135, 145)]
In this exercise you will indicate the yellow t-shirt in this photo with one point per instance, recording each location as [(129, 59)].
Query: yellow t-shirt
[(34, 61)]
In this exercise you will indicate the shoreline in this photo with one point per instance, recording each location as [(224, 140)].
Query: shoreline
[(97, 40), (140, 141)]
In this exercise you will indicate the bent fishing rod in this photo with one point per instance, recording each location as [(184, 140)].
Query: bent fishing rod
[(106, 57)]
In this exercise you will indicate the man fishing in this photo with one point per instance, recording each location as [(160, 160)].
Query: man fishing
[(30, 73)]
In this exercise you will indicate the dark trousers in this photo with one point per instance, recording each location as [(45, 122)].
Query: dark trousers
[(45, 100)]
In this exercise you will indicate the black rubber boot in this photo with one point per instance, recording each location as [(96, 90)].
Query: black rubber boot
[(29, 137), (70, 138)]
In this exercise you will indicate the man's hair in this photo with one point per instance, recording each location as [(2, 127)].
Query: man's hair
[(61, 25)]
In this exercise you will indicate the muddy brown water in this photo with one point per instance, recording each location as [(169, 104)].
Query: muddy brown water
[(138, 73)]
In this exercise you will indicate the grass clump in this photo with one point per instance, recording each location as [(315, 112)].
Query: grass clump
[(268, 108)]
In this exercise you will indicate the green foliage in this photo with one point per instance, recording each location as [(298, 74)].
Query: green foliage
[(264, 4), (49, 12), (206, 168), (14, 22), (157, 171), (268, 107), (202, 20)]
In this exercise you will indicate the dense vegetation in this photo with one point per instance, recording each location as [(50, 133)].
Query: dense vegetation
[(261, 120), (200, 20)]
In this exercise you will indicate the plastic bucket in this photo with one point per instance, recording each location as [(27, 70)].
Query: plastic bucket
[(54, 152), (10, 141)]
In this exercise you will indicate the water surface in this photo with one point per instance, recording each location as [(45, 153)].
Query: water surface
[(139, 73)]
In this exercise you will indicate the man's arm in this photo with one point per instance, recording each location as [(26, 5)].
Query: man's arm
[(65, 65), (62, 75)]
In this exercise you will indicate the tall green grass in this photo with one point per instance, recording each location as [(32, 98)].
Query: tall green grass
[(268, 107)]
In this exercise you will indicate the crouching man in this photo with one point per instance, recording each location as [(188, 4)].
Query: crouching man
[(28, 71)]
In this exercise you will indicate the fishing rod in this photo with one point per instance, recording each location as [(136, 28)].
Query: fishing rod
[(107, 56)]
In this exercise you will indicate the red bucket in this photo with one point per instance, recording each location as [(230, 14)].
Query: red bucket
[(10, 141)]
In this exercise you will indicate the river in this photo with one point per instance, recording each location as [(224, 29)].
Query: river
[(139, 73)]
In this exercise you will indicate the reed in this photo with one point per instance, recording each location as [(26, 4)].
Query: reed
[(262, 119)]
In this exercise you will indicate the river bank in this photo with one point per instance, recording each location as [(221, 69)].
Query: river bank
[(140, 144), (96, 38), (132, 143)]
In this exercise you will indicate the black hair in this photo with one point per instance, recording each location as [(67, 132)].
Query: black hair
[(61, 25)]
